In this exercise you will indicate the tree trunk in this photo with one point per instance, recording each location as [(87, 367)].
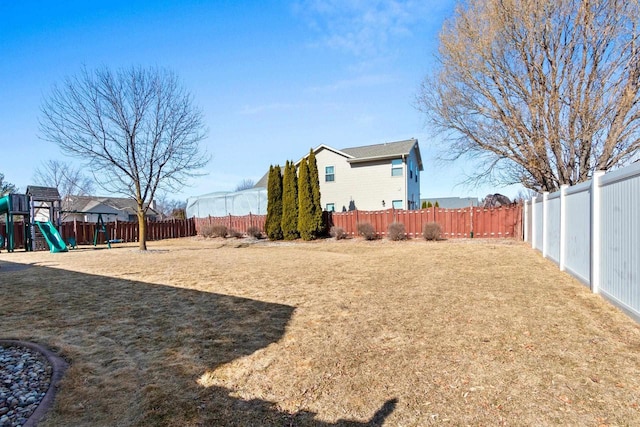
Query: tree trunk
[(142, 231)]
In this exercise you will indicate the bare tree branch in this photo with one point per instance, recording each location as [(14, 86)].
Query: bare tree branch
[(544, 91), (137, 129), (68, 179), (245, 184)]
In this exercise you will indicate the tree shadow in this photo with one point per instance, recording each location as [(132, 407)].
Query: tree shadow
[(137, 349)]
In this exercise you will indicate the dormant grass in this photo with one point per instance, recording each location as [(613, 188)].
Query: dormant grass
[(351, 332)]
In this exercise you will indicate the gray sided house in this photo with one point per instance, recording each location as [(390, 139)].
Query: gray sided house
[(370, 177), (87, 208)]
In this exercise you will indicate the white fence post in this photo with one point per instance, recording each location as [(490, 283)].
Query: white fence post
[(563, 225), (533, 222), (595, 231), (545, 220)]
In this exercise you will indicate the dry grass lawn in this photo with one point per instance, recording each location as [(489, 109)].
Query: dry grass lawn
[(214, 332)]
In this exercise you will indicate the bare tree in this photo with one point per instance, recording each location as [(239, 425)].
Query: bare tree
[(6, 187), (67, 178), (136, 128), (543, 92), (524, 195), (245, 184), (170, 208)]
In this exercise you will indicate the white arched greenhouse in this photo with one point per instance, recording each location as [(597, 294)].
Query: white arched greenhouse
[(222, 203)]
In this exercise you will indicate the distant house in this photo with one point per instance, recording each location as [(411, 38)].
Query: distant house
[(370, 177), (452, 202), (87, 208)]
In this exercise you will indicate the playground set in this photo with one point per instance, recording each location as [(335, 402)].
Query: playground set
[(40, 200)]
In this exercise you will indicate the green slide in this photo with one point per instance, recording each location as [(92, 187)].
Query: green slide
[(56, 244), (4, 204)]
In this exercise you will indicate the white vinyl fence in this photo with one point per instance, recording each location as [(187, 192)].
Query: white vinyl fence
[(592, 231)]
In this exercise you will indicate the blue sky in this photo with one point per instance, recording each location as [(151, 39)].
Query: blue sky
[(273, 78)]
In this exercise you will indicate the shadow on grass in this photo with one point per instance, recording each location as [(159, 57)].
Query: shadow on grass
[(137, 349)]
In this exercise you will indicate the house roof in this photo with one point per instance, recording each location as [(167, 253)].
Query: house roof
[(386, 150), (262, 182), (378, 150), (43, 194), (90, 203)]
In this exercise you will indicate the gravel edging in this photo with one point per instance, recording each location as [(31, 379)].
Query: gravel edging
[(58, 368)]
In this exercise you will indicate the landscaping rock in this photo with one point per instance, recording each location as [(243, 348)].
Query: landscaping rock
[(25, 376)]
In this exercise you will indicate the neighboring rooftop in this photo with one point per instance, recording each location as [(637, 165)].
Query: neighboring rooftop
[(382, 151), (88, 203)]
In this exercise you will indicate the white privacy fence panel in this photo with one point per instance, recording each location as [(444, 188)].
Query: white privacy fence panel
[(592, 230), (620, 238), (552, 230), (577, 260), (528, 216), (537, 224)]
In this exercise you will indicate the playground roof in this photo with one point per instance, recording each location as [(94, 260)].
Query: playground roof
[(43, 194)]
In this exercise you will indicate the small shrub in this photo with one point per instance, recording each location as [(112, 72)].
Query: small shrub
[(254, 232), (338, 233), (429, 204), (367, 231), (213, 230), (206, 231), (396, 231), (234, 233), (432, 231)]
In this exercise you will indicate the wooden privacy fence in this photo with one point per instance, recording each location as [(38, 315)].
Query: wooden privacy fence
[(504, 221), (84, 232), (455, 223), (238, 223)]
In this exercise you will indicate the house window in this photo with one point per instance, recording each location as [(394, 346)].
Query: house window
[(396, 167), (329, 175), (397, 204), (331, 207)]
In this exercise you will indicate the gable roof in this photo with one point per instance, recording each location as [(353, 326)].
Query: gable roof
[(386, 150), (89, 203), (43, 194), (262, 182)]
